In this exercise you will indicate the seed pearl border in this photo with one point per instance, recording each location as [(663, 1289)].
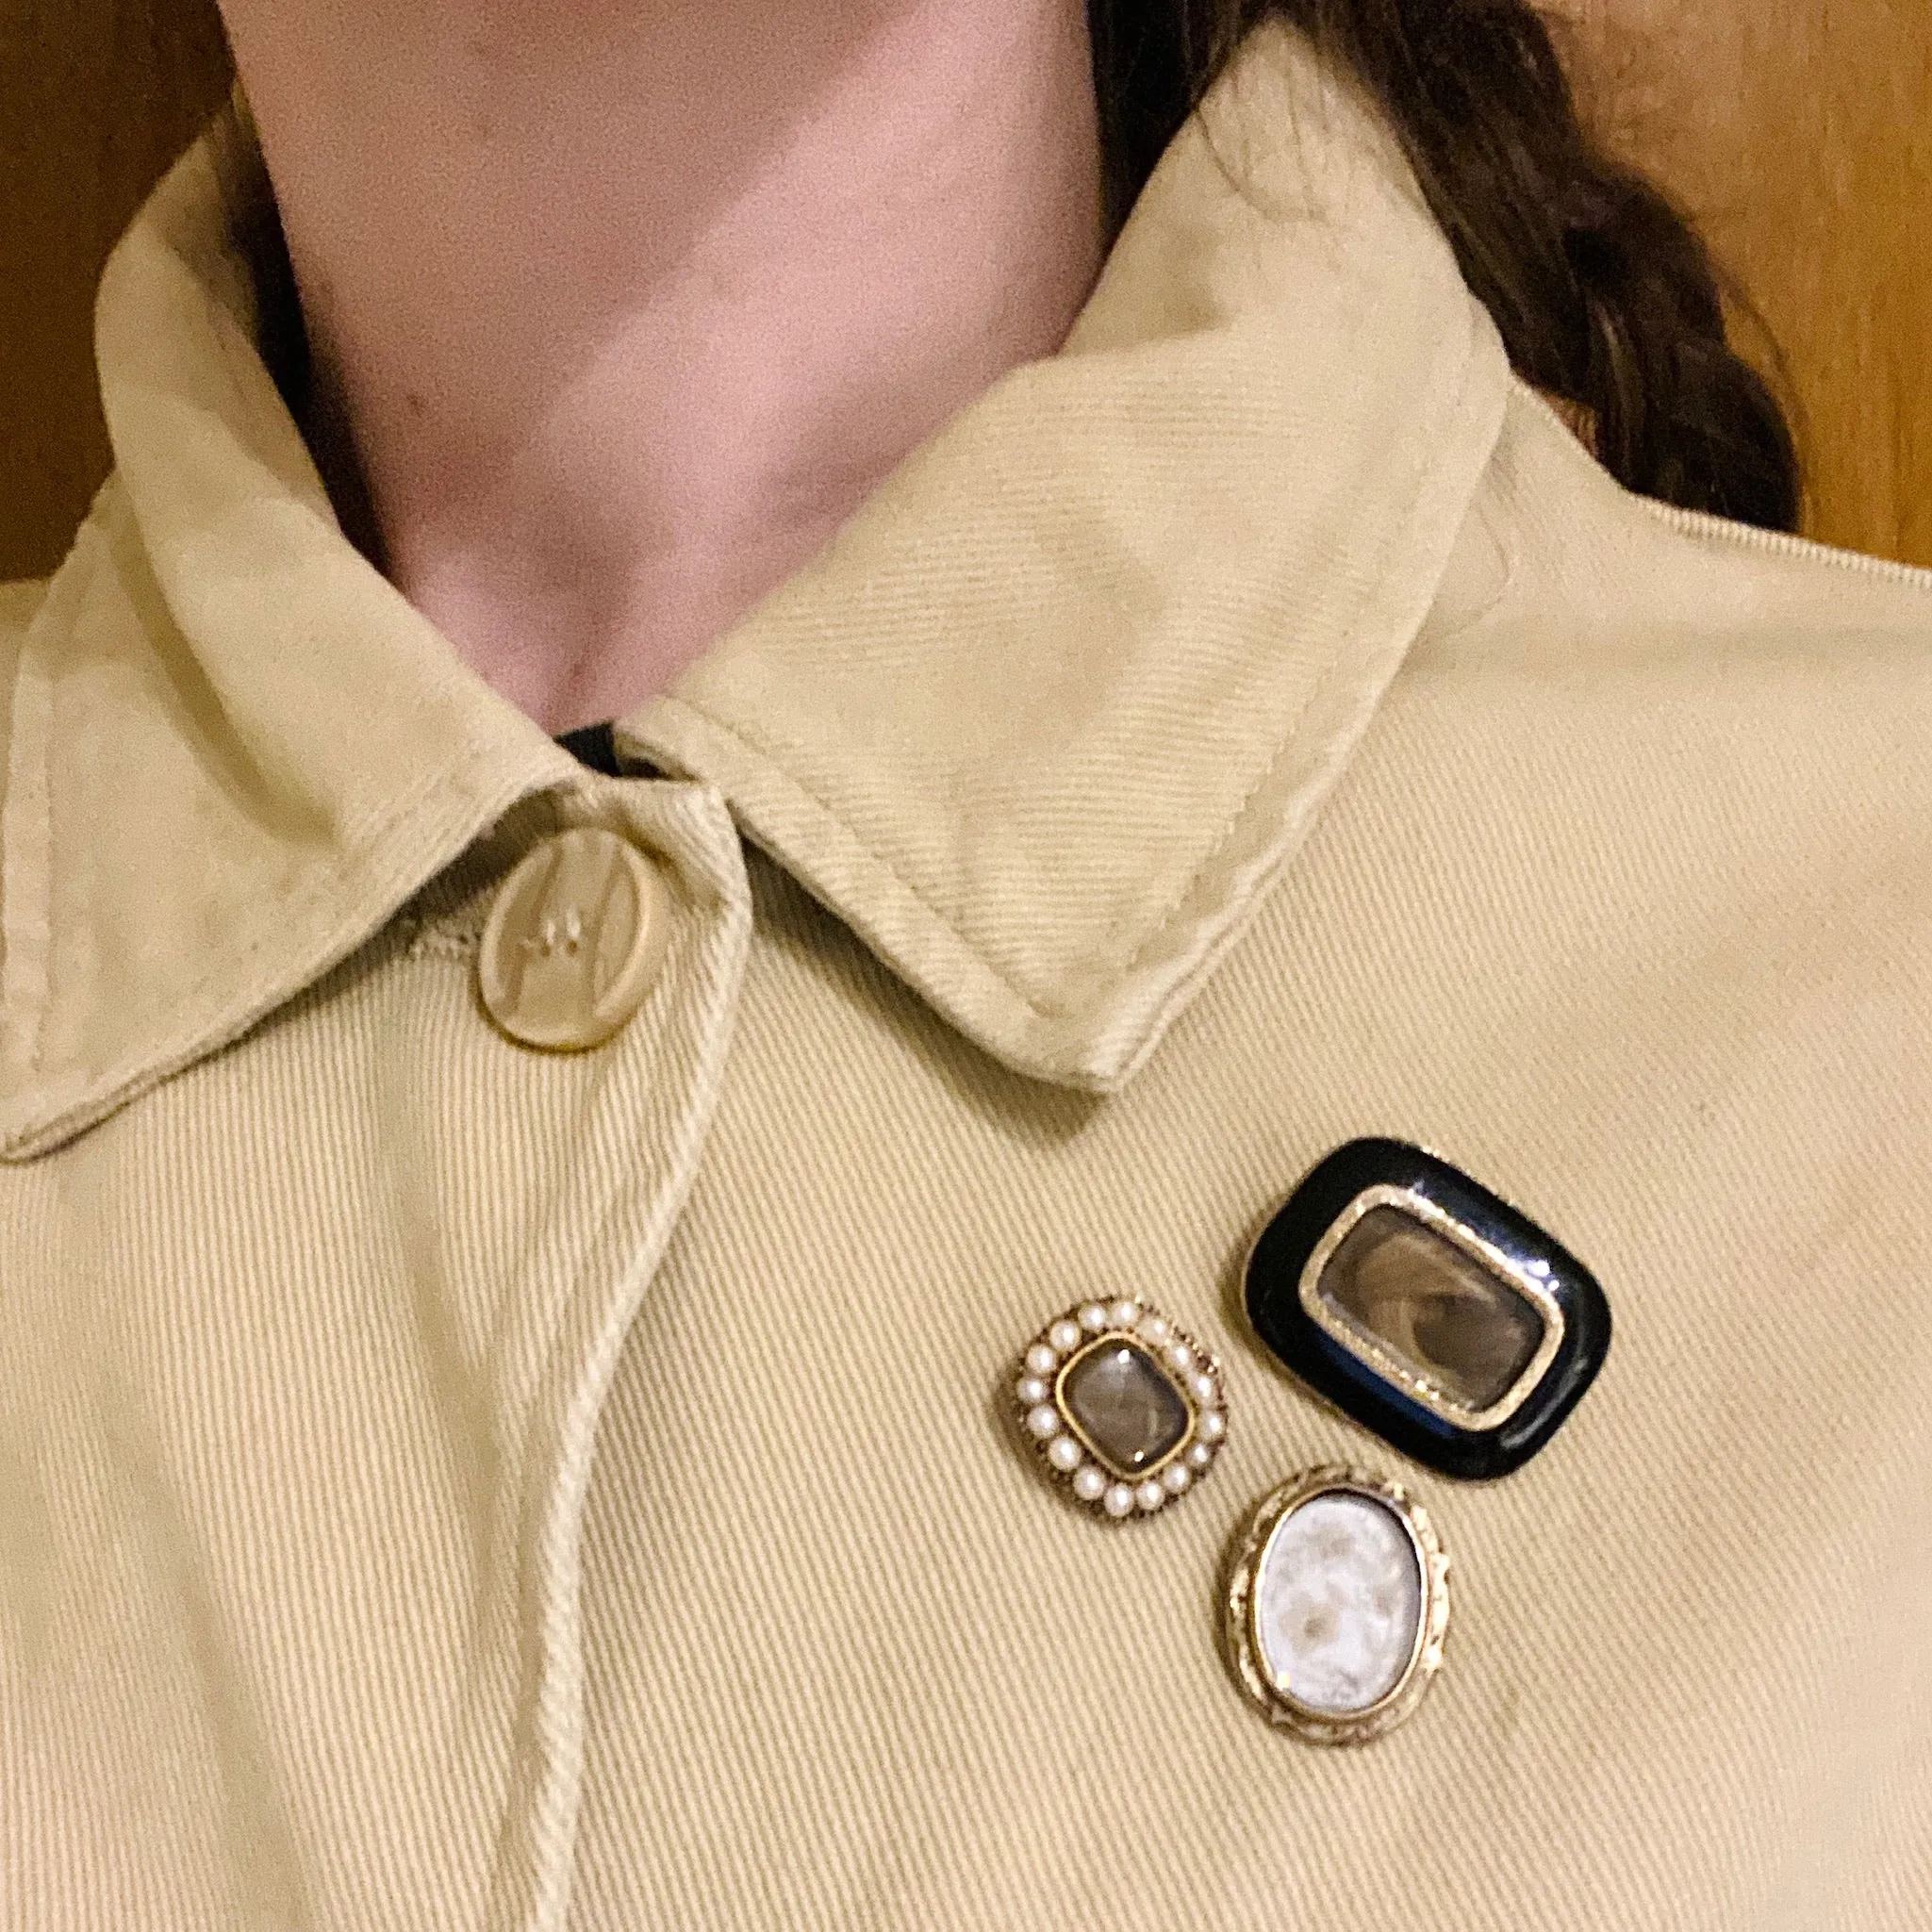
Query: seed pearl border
[(1191, 1371)]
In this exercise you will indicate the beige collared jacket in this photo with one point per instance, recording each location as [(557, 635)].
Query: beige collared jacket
[(447, 1483)]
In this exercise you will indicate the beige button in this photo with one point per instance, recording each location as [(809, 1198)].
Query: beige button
[(574, 941)]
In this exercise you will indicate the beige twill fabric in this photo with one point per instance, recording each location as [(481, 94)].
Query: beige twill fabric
[(447, 1485)]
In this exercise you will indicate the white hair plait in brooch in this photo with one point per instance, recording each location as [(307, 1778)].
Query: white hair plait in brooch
[(1123, 1407), (1337, 1603)]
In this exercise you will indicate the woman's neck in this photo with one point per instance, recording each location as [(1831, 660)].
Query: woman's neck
[(617, 307)]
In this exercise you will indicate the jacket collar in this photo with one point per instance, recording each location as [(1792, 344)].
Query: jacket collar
[(1041, 723)]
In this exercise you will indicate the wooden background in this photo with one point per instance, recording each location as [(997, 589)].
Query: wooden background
[(1798, 132)]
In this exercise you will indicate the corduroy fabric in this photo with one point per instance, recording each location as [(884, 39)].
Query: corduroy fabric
[(444, 1485)]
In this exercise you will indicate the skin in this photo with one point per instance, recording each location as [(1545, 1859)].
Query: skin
[(618, 307)]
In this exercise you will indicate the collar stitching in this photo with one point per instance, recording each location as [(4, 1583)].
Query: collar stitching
[(1455, 394), (176, 1053)]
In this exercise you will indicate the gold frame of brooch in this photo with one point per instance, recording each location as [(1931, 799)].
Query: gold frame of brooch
[(1247, 1647), (1375, 1354), (1154, 1350)]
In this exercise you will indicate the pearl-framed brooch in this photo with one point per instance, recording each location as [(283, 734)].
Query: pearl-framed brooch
[(1123, 1406)]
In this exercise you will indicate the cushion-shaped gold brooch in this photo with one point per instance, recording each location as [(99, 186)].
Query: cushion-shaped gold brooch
[(1123, 1407)]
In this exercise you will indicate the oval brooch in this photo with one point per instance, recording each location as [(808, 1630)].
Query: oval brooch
[(1123, 1407), (1337, 1604)]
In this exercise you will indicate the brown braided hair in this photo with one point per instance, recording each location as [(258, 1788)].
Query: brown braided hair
[(1605, 296)]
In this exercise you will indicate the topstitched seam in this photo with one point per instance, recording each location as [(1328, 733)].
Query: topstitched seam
[(769, 758)]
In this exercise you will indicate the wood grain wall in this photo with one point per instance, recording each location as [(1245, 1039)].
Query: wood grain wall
[(1799, 133), (96, 97)]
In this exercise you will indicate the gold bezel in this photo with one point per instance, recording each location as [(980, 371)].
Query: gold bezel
[(1071, 1422), (1198, 1450), (1241, 1621), (1373, 1353)]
